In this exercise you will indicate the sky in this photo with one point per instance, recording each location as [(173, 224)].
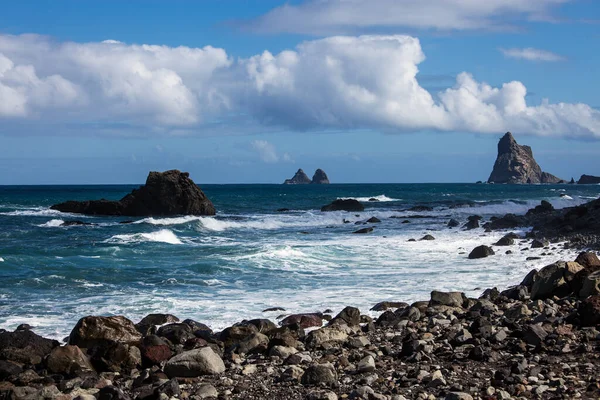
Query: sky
[(248, 91)]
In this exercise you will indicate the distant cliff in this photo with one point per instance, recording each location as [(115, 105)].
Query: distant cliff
[(515, 164), (320, 177), (300, 178), (588, 180)]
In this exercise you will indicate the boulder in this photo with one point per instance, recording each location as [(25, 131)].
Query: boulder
[(148, 323), (506, 240), (177, 333), (544, 207), (364, 230), (588, 259), (320, 177), (373, 220), (515, 164), (481, 252), (539, 243), (164, 194), (156, 354), (68, 360), (554, 280), (471, 224), (117, 357), (349, 316), (299, 178), (101, 331), (329, 334), (453, 223), (451, 299), (591, 285), (427, 237), (351, 205), (194, 363), (304, 320), (384, 305), (589, 311), (320, 374), (255, 343), (25, 347)]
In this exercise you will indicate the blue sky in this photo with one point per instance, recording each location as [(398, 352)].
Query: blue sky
[(369, 90)]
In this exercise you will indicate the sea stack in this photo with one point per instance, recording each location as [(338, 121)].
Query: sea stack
[(515, 164), (320, 177), (588, 180), (300, 178), (164, 194)]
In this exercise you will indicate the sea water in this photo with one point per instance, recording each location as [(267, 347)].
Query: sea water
[(249, 257)]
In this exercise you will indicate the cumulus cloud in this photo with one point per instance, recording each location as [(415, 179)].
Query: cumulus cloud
[(350, 16), (265, 150), (531, 54), (336, 83)]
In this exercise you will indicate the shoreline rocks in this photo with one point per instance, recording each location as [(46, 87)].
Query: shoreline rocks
[(164, 194), (588, 180)]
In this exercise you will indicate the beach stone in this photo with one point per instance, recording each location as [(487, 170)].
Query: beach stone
[(590, 285), (298, 358), (25, 347), (367, 364), (518, 312), (321, 396), (529, 279), (25, 393), (117, 357), (373, 220), (177, 333), (553, 279), (329, 334), (320, 374), (283, 352), (364, 230), (539, 243), (506, 240), (206, 391), (588, 259), (349, 316), (453, 223), (304, 320), (427, 237), (534, 335), (150, 321), (384, 305), (255, 343), (168, 389), (100, 331), (481, 252), (458, 396), (451, 299), (471, 224), (359, 342), (292, 374), (112, 393), (154, 355), (235, 334), (195, 363), (262, 324), (68, 360)]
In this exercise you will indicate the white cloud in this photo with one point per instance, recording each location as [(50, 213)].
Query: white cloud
[(531, 54), (266, 151), (336, 83), (351, 16)]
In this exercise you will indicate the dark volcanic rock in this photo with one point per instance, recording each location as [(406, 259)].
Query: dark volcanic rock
[(25, 347), (364, 230), (165, 193), (344, 205), (100, 331), (588, 180), (544, 207), (515, 164), (481, 252), (300, 178), (320, 177), (453, 223), (304, 320)]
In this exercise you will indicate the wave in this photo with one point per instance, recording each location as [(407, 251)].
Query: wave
[(53, 223), (168, 221), (34, 212), (380, 198), (1, 259), (162, 236)]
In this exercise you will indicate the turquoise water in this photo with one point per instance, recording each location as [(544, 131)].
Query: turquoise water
[(249, 257)]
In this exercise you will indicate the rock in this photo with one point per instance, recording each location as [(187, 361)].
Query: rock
[(206, 391), (320, 374), (177, 333), (481, 252), (112, 393), (471, 224), (68, 360), (427, 237), (367, 364), (255, 343), (384, 305), (320, 177), (156, 354), (539, 243), (554, 279), (292, 374), (349, 316), (75, 223), (300, 178), (364, 230), (350, 205), (101, 331), (117, 357), (329, 334), (195, 363), (451, 299), (150, 321), (588, 180), (589, 311), (273, 309), (169, 389), (283, 352), (515, 164), (588, 259), (534, 335), (373, 220), (458, 396), (506, 240), (283, 209), (304, 320), (544, 207), (453, 223), (420, 208), (321, 396), (8, 369), (165, 193), (590, 285), (25, 347)]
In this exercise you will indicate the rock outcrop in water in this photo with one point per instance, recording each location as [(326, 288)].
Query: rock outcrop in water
[(515, 164), (164, 194), (588, 180), (320, 177), (300, 178)]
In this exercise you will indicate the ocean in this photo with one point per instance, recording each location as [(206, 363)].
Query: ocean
[(223, 269)]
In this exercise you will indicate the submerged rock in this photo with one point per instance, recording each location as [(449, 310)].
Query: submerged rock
[(164, 194), (351, 205), (481, 252), (515, 164)]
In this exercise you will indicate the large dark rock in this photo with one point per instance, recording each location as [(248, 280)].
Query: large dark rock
[(588, 180), (515, 164), (304, 320), (320, 177), (300, 178), (101, 331), (351, 205), (25, 347), (481, 252), (68, 360), (165, 193), (544, 207)]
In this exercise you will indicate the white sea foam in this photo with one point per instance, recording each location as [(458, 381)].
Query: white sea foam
[(164, 236), (379, 198), (1, 259), (168, 221), (34, 212), (53, 223)]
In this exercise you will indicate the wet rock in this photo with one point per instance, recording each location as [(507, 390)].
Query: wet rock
[(100, 331), (507, 240), (273, 309), (451, 299), (320, 374), (329, 334), (590, 285), (364, 230), (177, 333), (373, 220), (453, 223), (367, 364), (427, 237), (539, 243), (117, 357), (156, 354), (195, 363), (481, 252), (25, 347), (147, 323), (588, 259), (543, 208), (554, 279), (349, 316), (350, 205), (384, 305), (304, 320), (8, 369), (255, 343), (68, 360)]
